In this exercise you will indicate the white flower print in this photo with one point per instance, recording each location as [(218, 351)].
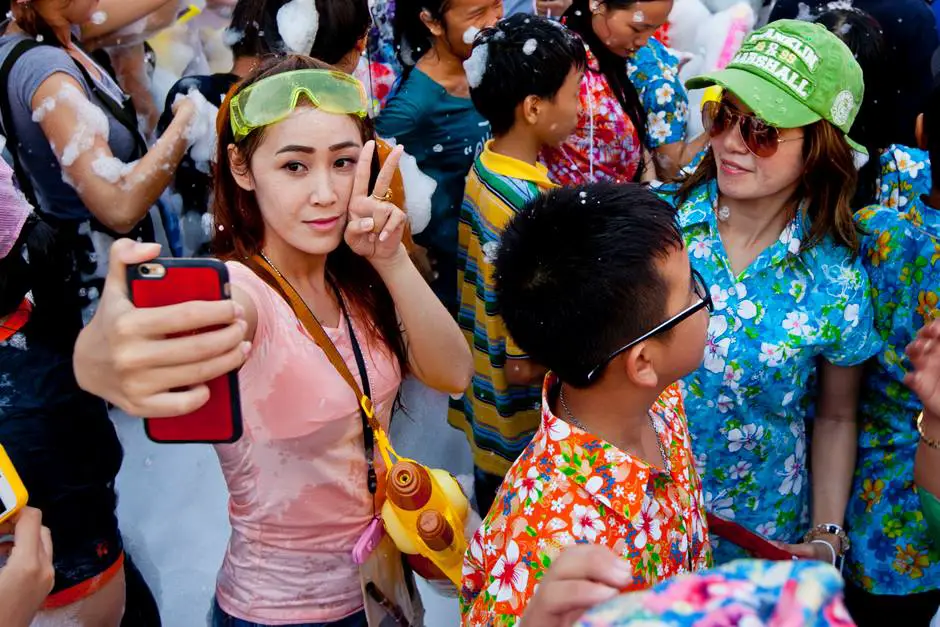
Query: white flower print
[(509, 576), (556, 429), (716, 350), (665, 94), (793, 470), (586, 523), (700, 247), (767, 529), (700, 462), (658, 127), (747, 437), (790, 239), (557, 505), (648, 523), (797, 323), (719, 299), (530, 486), (851, 313), (747, 309), (724, 404), (732, 377), (907, 165), (594, 484), (771, 354), (740, 470), (720, 504)]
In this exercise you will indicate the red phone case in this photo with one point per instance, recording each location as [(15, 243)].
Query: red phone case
[(752, 542), (219, 420)]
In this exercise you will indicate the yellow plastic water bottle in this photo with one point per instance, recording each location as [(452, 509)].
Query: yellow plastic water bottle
[(424, 514)]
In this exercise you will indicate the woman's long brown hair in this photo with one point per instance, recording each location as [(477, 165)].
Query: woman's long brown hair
[(827, 185), (239, 227), (27, 17)]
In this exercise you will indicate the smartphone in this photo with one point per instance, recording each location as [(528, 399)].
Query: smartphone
[(751, 541), (164, 282), (13, 494)]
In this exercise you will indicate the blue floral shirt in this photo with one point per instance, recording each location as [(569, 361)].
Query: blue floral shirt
[(905, 175), (891, 548), (748, 402), (654, 71)]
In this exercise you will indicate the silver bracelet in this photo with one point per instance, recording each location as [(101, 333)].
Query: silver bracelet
[(832, 549)]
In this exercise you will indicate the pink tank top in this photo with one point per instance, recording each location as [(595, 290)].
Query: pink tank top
[(298, 500)]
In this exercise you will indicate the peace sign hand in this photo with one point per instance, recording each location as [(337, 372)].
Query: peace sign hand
[(375, 225)]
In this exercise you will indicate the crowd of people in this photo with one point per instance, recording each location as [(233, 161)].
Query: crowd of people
[(698, 373)]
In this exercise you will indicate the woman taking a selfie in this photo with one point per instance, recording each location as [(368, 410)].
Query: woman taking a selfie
[(295, 218)]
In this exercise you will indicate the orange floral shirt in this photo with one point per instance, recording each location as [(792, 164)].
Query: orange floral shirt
[(570, 487)]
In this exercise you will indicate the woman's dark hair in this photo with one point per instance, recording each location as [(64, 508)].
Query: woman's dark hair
[(239, 233), (412, 37), (342, 25), (33, 24), (864, 37), (514, 71), (827, 185), (614, 68), (587, 258)]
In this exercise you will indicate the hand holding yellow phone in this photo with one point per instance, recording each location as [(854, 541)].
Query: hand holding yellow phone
[(13, 494)]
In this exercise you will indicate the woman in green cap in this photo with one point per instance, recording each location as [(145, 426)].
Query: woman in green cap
[(767, 220)]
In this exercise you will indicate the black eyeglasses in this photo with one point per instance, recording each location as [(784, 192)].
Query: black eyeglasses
[(700, 289)]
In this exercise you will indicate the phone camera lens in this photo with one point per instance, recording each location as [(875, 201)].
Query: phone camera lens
[(144, 270)]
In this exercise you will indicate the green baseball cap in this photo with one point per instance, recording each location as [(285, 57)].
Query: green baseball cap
[(793, 73)]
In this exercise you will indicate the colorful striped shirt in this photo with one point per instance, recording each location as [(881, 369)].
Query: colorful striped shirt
[(499, 419)]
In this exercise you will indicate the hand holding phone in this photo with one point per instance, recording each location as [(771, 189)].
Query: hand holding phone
[(164, 282), (28, 575), (123, 354), (13, 495)]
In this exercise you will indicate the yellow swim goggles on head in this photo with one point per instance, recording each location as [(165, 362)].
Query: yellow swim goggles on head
[(272, 99)]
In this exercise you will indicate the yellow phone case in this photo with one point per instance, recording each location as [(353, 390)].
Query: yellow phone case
[(9, 475)]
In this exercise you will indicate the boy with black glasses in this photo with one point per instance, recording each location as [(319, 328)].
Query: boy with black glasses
[(595, 283)]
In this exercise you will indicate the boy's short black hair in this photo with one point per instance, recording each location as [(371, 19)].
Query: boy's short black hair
[(576, 274), (527, 56)]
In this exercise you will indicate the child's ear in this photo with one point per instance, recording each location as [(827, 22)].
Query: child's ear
[(531, 107), (639, 367), (920, 134), (432, 25)]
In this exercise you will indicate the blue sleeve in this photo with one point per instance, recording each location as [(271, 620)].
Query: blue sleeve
[(35, 67), (401, 117), (654, 72), (851, 317)]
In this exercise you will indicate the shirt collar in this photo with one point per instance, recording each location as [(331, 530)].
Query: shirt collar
[(514, 168), (700, 209), (582, 457)]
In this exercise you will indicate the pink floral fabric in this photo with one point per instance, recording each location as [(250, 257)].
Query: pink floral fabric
[(606, 145), (745, 592)]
